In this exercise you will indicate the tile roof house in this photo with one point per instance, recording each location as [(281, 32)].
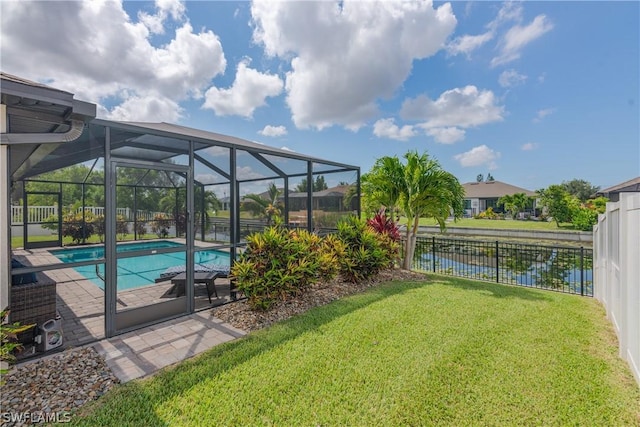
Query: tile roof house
[(613, 193), (479, 196)]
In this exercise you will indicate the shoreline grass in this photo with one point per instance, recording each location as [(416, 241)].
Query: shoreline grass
[(446, 351)]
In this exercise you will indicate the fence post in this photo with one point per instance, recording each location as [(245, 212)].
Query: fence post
[(433, 252), (497, 263), (582, 270)]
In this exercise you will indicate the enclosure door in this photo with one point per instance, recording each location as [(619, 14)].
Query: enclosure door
[(146, 269), (42, 219)]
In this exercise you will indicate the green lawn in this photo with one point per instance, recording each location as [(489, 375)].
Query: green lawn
[(443, 352), (501, 224)]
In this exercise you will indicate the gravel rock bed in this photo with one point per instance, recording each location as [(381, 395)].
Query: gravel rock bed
[(241, 316), (57, 384)]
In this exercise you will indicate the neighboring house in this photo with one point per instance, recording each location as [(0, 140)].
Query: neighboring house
[(613, 193), (331, 199), (479, 196)]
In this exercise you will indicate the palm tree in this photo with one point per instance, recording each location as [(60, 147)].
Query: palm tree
[(419, 189), (267, 208)]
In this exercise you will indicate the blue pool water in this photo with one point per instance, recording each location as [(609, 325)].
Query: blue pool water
[(137, 271)]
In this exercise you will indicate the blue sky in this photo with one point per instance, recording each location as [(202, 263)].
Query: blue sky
[(535, 93)]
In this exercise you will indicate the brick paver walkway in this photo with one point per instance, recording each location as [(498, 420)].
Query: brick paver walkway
[(145, 351)]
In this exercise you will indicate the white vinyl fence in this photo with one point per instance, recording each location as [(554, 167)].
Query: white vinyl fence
[(34, 214), (616, 259), (38, 214)]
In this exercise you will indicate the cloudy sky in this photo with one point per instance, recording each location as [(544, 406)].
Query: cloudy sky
[(535, 93)]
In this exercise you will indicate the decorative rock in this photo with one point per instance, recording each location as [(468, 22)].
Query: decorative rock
[(60, 383)]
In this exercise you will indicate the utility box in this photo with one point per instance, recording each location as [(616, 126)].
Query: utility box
[(50, 335)]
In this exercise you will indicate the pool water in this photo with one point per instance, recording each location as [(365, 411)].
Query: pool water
[(137, 271)]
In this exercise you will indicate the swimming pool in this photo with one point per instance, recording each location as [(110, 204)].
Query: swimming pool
[(136, 271)]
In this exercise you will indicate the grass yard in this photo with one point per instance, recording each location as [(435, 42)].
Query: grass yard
[(444, 352), (501, 224)]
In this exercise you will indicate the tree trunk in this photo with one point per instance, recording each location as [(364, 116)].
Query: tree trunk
[(410, 245)]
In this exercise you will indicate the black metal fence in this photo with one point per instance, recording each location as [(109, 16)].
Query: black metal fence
[(563, 269)]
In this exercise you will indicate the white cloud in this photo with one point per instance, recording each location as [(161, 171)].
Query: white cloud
[(529, 146), (386, 128), (285, 148), (479, 156), (446, 135), (511, 78), (146, 109), (509, 11), (246, 172), (107, 64), (511, 43), (460, 107), (249, 91), (207, 178), (541, 114), (467, 44), (346, 55), (165, 8), (518, 37), (269, 130)]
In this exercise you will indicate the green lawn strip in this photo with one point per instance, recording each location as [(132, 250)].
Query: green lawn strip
[(449, 351), (500, 224)]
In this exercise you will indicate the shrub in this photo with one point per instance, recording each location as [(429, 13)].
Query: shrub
[(141, 227), (488, 214), (99, 226), (79, 229), (122, 227), (364, 255), (279, 263), (160, 225), (388, 235), (584, 218)]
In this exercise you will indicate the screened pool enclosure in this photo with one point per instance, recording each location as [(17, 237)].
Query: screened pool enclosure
[(127, 223)]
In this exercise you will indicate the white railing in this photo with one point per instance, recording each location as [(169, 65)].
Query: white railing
[(127, 213), (34, 214), (37, 214), (616, 259)]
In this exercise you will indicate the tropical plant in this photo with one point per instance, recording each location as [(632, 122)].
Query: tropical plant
[(266, 208), (382, 186), (77, 226), (9, 339), (365, 250), (279, 263), (388, 235), (419, 189), (383, 224)]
